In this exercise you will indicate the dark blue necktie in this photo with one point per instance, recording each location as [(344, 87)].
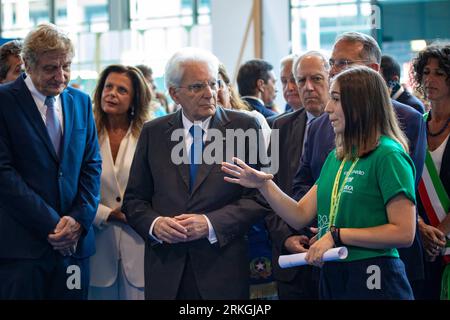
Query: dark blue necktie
[(52, 123), (195, 153)]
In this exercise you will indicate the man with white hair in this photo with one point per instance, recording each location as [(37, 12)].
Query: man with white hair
[(310, 73), (193, 222)]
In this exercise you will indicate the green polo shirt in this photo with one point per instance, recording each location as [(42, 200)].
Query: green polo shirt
[(377, 178)]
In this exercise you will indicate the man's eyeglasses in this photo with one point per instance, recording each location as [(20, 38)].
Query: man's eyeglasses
[(201, 86), (343, 63)]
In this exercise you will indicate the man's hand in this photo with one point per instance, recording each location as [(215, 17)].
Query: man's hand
[(195, 224), (66, 235), (297, 244), (117, 215), (170, 230)]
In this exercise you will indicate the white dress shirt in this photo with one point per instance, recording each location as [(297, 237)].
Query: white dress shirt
[(39, 99)]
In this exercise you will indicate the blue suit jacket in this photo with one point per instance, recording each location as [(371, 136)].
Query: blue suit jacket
[(258, 106), (412, 101), (37, 188), (320, 142)]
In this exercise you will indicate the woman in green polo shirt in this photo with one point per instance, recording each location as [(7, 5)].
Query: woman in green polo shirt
[(364, 198)]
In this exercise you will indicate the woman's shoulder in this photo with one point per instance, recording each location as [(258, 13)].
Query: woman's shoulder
[(390, 150), (387, 145)]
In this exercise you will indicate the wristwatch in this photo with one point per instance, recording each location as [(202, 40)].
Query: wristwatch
[(335, 234)]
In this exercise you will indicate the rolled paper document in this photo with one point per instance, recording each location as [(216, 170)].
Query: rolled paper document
[(298, 259)]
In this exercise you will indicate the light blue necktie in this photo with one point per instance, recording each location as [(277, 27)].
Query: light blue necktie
[(196, 153), (52, 123)]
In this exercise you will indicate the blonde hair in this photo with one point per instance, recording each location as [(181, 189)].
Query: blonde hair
[(45, 38), (368, 113), (235, 100)]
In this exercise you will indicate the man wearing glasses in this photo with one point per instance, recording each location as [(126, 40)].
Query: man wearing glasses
[(193, 222), (354, 48)]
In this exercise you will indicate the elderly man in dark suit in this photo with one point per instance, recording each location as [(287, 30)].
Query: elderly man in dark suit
[(49, 175), (354, 48), (194, 223), (310, 75)]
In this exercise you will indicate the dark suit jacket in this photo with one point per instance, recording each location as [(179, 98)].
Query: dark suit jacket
[(37, 188), (412, 101), (321, 141), (445, 168), (158, 187), (258, 106), (291, 128)]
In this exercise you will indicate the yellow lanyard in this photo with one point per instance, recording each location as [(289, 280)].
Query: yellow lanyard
[(335, 195)]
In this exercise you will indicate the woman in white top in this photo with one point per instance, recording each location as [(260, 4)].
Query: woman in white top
[(121, 103)]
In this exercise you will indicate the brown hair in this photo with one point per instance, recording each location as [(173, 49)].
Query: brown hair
[(235, 100), (140, 102), (45, 38), (368, 113), (10, 48)]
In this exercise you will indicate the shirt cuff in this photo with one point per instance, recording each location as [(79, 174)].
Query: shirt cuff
[(150, 233), (101, 218), (211, 233)]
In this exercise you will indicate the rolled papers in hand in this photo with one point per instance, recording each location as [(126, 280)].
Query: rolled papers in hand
[(298, 259)]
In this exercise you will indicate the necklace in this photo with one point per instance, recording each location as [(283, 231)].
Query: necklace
[(440, 131)]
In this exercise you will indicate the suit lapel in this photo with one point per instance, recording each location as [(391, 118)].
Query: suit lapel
[(28, 106), (175, 123), (68, 109), (109, 177), (218, 122)]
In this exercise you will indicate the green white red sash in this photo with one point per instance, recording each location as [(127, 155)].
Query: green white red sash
[(434, 198)]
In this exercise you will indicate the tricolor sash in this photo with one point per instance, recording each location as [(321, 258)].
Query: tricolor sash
[(434, 198)]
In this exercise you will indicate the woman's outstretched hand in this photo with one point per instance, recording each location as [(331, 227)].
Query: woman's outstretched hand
[(244, 175)]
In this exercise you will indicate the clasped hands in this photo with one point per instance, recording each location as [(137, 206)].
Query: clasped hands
[(66, 235), (433, 239), (182, 228)]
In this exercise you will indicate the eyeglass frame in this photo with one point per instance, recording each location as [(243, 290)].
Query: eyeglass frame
[(343, 63), (198, 87)]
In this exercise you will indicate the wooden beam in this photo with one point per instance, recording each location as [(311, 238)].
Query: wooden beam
[(257, 27)]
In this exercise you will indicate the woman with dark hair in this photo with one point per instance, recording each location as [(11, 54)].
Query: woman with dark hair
[(432, 78), (121, 106), (364, 198)]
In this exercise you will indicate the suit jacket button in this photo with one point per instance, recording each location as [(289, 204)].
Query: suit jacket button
[(118, 199)]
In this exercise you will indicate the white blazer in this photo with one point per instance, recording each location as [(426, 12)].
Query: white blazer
[(115, 241)]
